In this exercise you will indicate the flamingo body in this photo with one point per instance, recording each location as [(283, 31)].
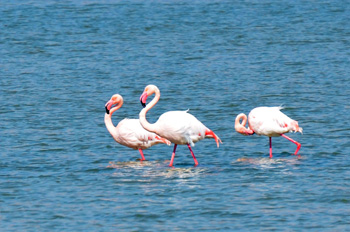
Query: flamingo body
[(180, 127), (129, 132), (268, 121)]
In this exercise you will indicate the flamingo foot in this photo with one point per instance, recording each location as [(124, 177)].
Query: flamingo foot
[(142, 156), (270, 147), (194, 158), (173, 156), (298, 148), (293, 141)]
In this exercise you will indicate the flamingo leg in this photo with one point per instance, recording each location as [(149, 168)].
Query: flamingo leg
[(270, 147), (293, 141), (142, 156), (194, 158), (173, 156)]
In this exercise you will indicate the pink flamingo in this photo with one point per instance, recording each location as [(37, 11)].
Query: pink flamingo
[(129, 132), (268, 121), (179, 127)]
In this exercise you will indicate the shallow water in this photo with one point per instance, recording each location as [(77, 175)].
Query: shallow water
[(61, 61)]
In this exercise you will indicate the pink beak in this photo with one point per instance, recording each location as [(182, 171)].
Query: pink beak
[(108, 106), (143, 99)]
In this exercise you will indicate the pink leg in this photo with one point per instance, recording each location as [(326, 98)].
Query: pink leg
[(141, 153), (293, 141), (194, 158), (270, 147), (173, 156)]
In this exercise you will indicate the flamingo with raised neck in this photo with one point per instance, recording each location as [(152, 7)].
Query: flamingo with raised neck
[(129, 132), (179, 127)]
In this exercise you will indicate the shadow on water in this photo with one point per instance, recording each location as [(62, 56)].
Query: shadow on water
[(159, 169), (131, 164), (266, 162)]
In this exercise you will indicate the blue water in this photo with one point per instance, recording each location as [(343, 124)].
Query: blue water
[(61, 61)]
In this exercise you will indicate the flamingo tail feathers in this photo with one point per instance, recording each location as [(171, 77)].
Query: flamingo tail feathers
[(296, 127)]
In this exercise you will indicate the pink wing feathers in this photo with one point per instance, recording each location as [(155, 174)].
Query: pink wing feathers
[(130, 133)]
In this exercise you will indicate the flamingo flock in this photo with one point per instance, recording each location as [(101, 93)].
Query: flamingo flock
[(182, 128)]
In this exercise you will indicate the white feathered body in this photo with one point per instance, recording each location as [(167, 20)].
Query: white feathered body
[(180, 127), (130, 133), (270, 121)]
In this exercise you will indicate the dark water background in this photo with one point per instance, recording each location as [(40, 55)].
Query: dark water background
[(60, 61)]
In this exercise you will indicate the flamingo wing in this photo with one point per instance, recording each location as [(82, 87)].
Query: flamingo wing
[(286, 123), (269, 121), (133, 135)]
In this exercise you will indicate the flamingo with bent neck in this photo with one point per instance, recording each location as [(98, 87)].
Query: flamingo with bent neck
[(179, 127), (129, 132), (268, 121)]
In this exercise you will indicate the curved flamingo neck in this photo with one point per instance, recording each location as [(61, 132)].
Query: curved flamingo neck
[(114, 109), (240, 127), (108, 120), (142, 116)]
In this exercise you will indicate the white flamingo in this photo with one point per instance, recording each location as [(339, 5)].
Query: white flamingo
[(268, 121), (179, 127), (129, 132)]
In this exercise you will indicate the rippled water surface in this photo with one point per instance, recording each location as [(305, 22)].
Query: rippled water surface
[(61, 61)]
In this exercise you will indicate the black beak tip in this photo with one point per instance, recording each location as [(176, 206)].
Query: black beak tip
[(143, 104), (107, 110)]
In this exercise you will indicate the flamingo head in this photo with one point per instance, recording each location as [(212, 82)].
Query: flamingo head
[(149, 90), (116, 100), (240, 127)]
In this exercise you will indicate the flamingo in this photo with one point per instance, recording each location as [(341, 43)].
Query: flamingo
[(179, 127), (129, 132), (268, 121)]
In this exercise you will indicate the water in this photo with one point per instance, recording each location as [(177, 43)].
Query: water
[(62, 60)]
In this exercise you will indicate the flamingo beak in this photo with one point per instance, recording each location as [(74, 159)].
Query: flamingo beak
[(143, 99), (108, 106)]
